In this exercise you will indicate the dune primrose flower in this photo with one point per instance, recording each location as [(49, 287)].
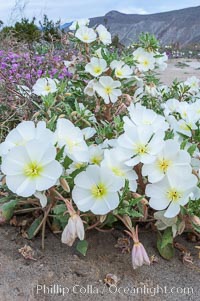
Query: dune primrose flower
[(72, 138), (96, 66), (104, 35), (107, 89), (121, 69), (85, 34), (96, 189), (44, 86), (171, 193), (31, 168), (24, 132)]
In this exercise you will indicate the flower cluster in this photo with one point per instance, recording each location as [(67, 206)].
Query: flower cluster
[(115, 145), (23, 68)]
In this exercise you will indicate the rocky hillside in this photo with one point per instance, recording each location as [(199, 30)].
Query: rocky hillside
[(182, 26)]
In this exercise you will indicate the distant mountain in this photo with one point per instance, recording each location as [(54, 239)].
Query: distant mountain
[(65, 25), (182, 26)]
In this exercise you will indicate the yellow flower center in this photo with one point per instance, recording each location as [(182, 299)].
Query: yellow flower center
[(119, 72), (147, 122), (71, 144), (97, 69), (108, 90), (79, 165), (185, 127), (145, 63), (141, 149), (118, 172), (47, 88), (163, 164), (174, 195), (96, 160), (33, 170), (99, 191), (85, 37)]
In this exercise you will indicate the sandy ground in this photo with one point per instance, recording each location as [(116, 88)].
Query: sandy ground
[(81, 278), (180, 69), (60, 268)]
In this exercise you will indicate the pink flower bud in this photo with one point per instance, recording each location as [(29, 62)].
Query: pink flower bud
[(73, 229), (139, 256)]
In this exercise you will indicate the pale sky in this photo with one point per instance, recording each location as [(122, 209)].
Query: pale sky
[(69, 10)]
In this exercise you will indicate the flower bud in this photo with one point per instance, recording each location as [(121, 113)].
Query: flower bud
[(73, 229), (64, 184), (195, 220), (139, 256)]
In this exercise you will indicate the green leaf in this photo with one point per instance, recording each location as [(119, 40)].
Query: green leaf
[(192, 149), (82, 247), (134, 202), (59, 209), (167, 237), (67, 162), (5, 199), (184, 143), (166, 252), (133, 213), (196, 227), (60, 153), (33, 227), (110, 219), (7, 210)]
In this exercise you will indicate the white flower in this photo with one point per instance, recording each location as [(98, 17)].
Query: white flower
[(170, 106), (121, 69), (31, 168), (143, 117), (185, 109), (87, 113), (196, 109), (44, 86), (99, 52), (114, 161), (161, 61), (152, 90), (193, 82), (140, 144), (170, 161), (106, 88), (24, 132), (74, 166), (96, 189), (163, 89), (96, 66), (79, 23), (88, 132), (171, 193), (182, 126), (145, 60), (85, 34), (90, 88), (96, 154), (104, 35), (70, 65), (73, 229), (71, 137)]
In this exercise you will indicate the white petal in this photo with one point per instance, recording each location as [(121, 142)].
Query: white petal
[(42, 198), (82, 198), (172, 210), (105, 205)]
